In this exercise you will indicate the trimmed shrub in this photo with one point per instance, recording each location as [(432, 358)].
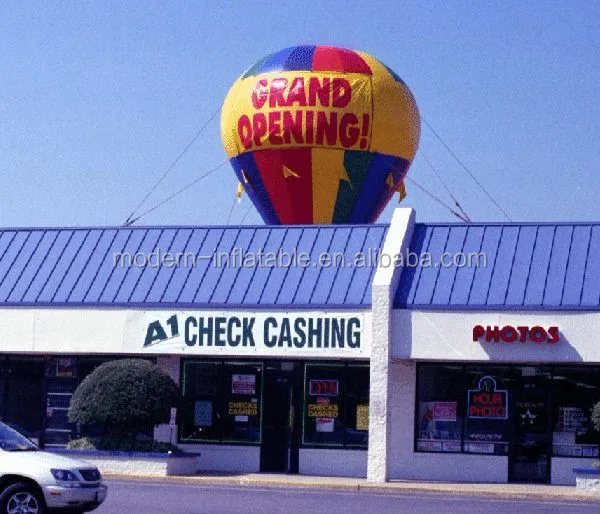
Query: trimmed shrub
[(127, 397)]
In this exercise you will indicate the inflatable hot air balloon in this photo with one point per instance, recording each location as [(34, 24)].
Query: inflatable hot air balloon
[(318, 134)]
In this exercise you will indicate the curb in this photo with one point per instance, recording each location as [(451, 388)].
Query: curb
[(350, 485)]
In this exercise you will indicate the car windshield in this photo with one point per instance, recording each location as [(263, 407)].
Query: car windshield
[(13, 441)]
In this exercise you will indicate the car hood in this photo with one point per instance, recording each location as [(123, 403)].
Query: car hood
[(45, 459)]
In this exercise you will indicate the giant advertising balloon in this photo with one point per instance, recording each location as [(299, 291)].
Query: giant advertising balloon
[(318, 134)]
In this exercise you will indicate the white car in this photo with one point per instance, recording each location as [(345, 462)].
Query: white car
[(36, 482)]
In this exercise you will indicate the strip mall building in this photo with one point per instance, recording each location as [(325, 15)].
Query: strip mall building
[(446, 370)]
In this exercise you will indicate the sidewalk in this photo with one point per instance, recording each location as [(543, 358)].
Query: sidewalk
[(396, 486)]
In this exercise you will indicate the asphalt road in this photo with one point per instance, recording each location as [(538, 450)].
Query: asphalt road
[(150, 497)]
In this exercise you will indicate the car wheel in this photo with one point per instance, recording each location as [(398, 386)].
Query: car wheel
[(21, 498)]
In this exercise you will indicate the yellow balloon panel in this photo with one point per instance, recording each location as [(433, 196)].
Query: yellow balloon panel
[(397, 126)]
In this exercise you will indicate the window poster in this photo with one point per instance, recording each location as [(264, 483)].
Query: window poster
[(243, 408), (66, 367), (488, 401), (203, 413), (323, 387), (563, 438), (325, 424), (323, 409), (362, 416), (480, 447), (444, 411), (572, 419), (243, 384)]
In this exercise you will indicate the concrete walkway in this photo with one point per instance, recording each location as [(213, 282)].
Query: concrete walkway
[(396, 486)]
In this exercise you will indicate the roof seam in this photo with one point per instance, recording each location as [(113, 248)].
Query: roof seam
[(114, 267), (337, 271), (184, 282), (437, 268), (462, 251), (9, 267), (147, 266), (62, 252), (363, 244), (243, 296), (237, 272), (193, 297), (114, 237), (151, 286), (171, 271), (494, 267), (304, 269), (223, 268), (562, 290), (537, 231), (287, 270), (25, 266), (5, 250), (586, 264), (320, 268), (372, 270), (552, 245), (419, 272), (270, 270), (39, 268), (127, 271), (475, 272), (83, 267), (68, 267), (512, 265)]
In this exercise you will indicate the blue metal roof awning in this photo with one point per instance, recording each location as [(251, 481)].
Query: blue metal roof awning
[(91, 266), (527, 266)]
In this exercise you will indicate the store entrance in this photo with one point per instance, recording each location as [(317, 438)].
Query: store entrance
[(279, 450), (529, 459)]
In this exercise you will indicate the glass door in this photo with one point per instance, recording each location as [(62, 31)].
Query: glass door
[(529, 459), (279, 451), (61, 382)]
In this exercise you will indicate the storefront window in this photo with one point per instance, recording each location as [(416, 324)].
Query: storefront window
[(61, 382), (575, 392), (440, 408), (516, 409), (222, 402), (487, 421), (357, 405), (336, 405), (24, 395), (241, 394), (323, 411)]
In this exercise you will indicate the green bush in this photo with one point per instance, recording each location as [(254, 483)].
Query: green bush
[(125, 396)]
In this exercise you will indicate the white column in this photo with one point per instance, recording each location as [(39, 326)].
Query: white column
[(384, 287)]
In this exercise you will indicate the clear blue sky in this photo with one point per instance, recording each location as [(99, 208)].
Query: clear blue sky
[(98, 98)]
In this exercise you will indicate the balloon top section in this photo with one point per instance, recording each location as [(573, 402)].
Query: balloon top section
[(318, 134)]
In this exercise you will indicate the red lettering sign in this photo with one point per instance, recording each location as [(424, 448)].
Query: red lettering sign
[(521, 334), (323, 387), (296, 114), (487, 401)]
